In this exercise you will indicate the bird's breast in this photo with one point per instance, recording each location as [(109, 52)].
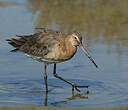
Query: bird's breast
[(67, 51), (61, 53)]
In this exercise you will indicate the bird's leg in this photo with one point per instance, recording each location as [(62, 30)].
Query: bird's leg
[(45, 77), (74, 86), (46, 98)]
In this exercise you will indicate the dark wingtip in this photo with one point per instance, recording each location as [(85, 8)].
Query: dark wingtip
[(15, 50), (8, 40)]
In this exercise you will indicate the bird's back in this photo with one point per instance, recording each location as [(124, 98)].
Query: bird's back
[(39, 44)]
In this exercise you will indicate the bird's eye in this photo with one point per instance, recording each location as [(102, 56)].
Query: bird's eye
[(75, 38)]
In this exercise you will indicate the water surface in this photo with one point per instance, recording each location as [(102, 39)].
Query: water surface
[(104, 26)]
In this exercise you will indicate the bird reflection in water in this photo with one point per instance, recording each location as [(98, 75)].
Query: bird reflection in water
[(74, 96)]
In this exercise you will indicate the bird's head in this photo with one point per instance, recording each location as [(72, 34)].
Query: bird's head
[(76, 40)]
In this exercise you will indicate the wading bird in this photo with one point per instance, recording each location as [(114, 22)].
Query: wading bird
[(50, 47)]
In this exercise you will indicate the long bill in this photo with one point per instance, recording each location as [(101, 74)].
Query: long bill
[(86, 52)]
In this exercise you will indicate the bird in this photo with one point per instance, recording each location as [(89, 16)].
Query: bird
[(51, 47)]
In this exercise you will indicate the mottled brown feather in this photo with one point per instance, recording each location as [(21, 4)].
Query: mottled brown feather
[(47, 45), (37, 44)]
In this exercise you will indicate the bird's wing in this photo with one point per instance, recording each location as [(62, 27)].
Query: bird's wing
[(39, 44)]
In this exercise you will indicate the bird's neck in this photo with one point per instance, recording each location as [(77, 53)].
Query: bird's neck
[(70, 49)]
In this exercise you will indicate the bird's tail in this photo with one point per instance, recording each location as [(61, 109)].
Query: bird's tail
[(17, 43)]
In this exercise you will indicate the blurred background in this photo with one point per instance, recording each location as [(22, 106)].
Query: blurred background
[(104, 26)]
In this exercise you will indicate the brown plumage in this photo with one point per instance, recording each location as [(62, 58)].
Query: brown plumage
[(50, 46)]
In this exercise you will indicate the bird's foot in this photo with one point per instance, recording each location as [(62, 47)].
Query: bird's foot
[(74, 86)]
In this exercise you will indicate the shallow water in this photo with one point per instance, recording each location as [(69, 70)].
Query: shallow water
[(104, 26)]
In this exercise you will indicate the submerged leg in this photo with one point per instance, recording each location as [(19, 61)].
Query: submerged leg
[(74, 86), (45, 77)]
